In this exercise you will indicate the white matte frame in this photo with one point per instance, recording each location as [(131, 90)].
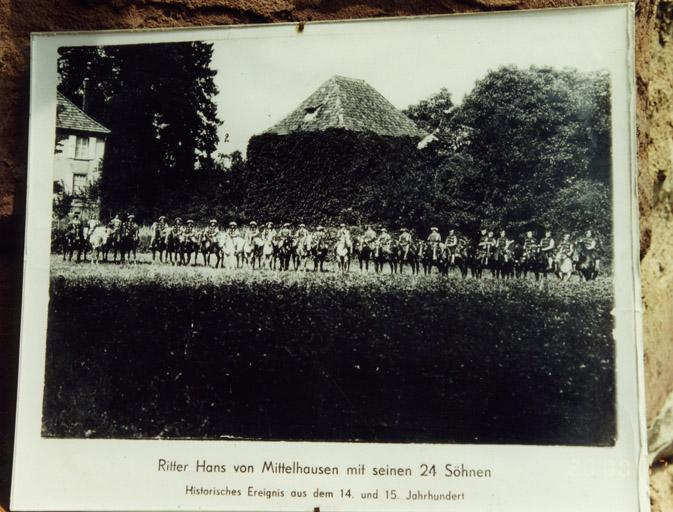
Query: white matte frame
[(98, 474)]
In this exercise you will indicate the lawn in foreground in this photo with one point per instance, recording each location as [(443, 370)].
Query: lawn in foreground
[(158, 351)]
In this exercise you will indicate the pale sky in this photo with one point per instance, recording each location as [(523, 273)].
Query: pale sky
[(264, 73)]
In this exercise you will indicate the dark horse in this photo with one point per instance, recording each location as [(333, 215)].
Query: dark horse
[(462, 257), (319, 251), (284, 251), (408, 254), (73, 242), (209, 245), (363, 251), (430, 254), (587, 265), (158, 244), (503, 262), (383, 253)]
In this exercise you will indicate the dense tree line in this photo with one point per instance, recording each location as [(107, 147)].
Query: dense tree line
[(525, 149), (158, 102)]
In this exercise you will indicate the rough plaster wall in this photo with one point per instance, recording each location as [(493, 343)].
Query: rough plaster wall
[(655, 126)]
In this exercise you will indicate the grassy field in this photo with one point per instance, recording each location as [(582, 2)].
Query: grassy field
[(160, 351)]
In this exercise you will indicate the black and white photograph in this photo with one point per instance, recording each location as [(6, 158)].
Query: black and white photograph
[(346, 254), (336, 237)]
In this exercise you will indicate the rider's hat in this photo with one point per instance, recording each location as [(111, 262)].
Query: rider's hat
[(213, 221), (383, 230), (404, 229), (566, 235), (269, 224), (320, 228), (342, 225), (178, 219), (302, 225), (131, 216), (233, 224), (253, 223), (287, 224), (433, 228), (162, 217), (190, 221)]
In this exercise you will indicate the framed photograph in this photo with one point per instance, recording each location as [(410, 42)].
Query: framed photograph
[(361, 265)]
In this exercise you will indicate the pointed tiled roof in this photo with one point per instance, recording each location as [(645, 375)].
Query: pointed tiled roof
[(70, 117), (351, 104)]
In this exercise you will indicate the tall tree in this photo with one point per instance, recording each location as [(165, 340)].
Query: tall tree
[(531, 133), (158, 102)]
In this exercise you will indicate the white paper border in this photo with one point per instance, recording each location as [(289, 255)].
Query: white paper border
[(51, 474)]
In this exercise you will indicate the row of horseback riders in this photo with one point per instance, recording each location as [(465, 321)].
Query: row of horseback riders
[(267, 246)]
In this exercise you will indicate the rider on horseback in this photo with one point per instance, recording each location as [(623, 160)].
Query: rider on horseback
[(212, 231), (158, 230), (345, 234), (589, 243), (188, 231), (530, 245), (75, 227), (301, 233), (405, 242), (269, 233), (547, 245), (565, 248), (384, 237), (452, 244), (115, 226), (285, 231), (369, 235), (502, 244), (434, 237), (233, 231), (252, 232)]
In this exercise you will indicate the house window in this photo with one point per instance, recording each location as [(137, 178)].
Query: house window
[(78, 183), (82, 148)]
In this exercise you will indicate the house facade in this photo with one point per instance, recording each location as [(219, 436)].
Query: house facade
[(78, 156)]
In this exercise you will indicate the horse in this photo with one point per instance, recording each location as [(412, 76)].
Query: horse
[(302, 249), (565, 266), (429, 254), (266, 253), (189, 243), (158, 243), (72, 242), (129, 244), (116, 243), (503, 262), (284, 250), (483, 259), (463, 257), (172, 244), (99, 240), (363, 251), (319, 252), (239, 250), (408, 254), (393, 256), (587, 266), (342, 251), (210, 245)]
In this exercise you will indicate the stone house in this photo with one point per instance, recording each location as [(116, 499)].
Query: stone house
[(78, 156)]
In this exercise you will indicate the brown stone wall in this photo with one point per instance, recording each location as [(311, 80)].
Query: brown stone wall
[(655, 143)]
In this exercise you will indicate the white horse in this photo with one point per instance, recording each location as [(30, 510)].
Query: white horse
[(343, 253), (99, 240)]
